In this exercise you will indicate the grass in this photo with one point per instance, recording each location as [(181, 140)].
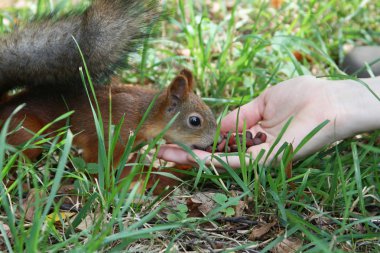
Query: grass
[(236, 49)]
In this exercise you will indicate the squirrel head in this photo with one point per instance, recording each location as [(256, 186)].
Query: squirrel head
[(195, 125)]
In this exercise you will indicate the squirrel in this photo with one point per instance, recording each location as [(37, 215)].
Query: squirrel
[(42, 61)]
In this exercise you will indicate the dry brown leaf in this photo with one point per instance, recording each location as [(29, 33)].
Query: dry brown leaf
[(239, 208), (8, 233), (289, 167), (301, 57), (276, 3), (67, 189), (260, 231), (288, 245), (29, 203), (7, 230), (193, 206), (86, 222), (204, 201)]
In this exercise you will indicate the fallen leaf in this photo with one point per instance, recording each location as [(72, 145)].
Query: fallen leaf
[(289, 166), (301, 57), (260, 231), (276, 3), (203, 202), (5, 234), (29, 203), (87, 222), (289, 169), (64, 215), (288, 245), (193, 206), (6, 229), (239, 208)]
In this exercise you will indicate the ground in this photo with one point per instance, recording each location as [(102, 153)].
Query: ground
[(328, 202)]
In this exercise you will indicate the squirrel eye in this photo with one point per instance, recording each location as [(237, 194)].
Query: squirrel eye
[(194, 121)]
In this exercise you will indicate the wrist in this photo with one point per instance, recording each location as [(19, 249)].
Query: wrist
[(357, 109)]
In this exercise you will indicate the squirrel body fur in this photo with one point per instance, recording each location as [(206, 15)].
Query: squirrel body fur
[(43, 60)]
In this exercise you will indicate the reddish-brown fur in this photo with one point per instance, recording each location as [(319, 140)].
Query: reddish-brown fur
[(126, 100), (43, 59)]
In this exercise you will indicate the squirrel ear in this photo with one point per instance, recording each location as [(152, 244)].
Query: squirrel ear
[(179, 88), (177, 92), (189, 76)]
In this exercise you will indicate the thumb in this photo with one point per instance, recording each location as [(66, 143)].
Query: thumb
[(251, 113)]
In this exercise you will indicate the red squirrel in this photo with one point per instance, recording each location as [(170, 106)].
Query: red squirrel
[(42, 59)]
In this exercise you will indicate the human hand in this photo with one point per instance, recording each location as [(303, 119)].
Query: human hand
[(310, 101), (307, 100)]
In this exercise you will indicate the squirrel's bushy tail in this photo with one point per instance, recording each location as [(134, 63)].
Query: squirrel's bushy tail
[(44, 53)]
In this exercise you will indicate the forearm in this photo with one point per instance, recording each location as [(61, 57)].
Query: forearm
[(358, 108)]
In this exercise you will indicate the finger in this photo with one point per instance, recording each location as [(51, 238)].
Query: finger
[(232, 161), (174, 153), (208, 158), (251, 113)]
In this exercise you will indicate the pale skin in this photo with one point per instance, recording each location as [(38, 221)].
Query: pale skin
[(348, 105)]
